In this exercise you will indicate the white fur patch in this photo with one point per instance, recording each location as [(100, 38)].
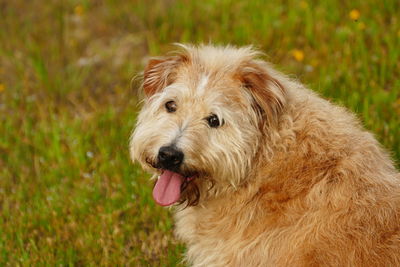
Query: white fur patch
[(202, 84)]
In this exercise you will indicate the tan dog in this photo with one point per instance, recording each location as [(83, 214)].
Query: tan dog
[(270, 173)]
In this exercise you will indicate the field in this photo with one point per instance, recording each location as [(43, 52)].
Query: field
[(69, 195)]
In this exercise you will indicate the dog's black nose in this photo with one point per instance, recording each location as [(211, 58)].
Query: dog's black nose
[(169, 157)]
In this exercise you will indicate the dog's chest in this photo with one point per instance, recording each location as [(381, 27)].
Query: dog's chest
[(219, 237)]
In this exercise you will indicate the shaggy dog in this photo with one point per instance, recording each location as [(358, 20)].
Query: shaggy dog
[(262, 171)]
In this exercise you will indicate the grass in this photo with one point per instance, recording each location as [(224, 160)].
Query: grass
[(69, 195)]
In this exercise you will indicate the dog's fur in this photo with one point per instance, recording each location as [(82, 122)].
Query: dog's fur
[(289, 179)]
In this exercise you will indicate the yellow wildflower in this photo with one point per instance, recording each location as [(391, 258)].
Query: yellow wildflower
[(298, 55), (79, 10), (2, 87), (354, 14), (303, 4)]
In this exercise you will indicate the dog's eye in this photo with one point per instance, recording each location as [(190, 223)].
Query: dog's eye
[(170, 106), (213, 121)]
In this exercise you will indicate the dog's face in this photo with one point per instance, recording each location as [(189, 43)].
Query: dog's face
[(203, 119)]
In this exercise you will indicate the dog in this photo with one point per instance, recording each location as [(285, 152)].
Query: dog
[(260, 170)]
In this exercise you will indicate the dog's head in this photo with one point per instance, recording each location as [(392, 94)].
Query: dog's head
[(205, 113)]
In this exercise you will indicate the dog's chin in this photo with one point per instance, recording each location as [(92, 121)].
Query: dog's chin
[(194, 190)]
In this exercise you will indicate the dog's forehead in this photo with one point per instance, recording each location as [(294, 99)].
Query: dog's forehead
[(210, 87)]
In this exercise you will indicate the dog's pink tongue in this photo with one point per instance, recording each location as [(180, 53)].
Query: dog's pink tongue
[(167, 190)]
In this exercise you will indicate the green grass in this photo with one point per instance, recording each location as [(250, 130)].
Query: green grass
[(68, 193)]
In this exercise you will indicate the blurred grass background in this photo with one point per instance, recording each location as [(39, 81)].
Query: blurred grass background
[(68, 192)]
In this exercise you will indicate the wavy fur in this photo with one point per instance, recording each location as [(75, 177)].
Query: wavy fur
[(296, 180)]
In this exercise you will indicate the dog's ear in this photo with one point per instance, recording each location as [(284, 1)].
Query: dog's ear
[(160, 72), (268, 93)]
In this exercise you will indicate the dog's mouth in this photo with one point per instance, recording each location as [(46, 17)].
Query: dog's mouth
[(168, 187)]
